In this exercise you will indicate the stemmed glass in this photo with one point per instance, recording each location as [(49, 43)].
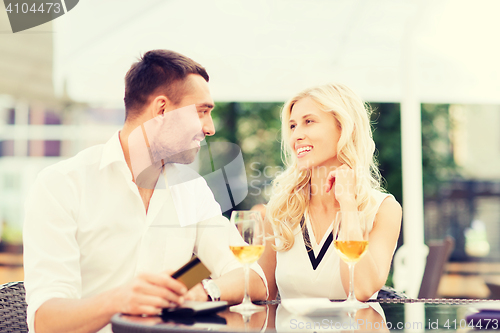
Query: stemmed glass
[(247, 249), (351, 242)]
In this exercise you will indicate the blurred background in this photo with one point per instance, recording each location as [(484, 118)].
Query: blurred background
[(425, 66)]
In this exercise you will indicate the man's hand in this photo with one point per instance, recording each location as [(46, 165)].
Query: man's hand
[(148, 294), (197, 293)]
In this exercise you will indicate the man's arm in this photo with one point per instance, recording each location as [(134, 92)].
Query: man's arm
[(230, 285), (213, 235), (213, 249), (53, 277), (147, 294)]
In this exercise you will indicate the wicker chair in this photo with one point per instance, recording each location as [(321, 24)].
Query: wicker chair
[(13, 307)]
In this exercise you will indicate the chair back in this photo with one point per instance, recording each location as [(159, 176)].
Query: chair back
[(13, 307), (439, 253)]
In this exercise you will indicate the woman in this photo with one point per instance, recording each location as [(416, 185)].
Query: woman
[(328, 151)]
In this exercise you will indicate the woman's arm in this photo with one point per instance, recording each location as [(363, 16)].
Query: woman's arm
[(268, 262), (371, 271)]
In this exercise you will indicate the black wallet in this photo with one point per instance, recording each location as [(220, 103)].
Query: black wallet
[(194, 308)]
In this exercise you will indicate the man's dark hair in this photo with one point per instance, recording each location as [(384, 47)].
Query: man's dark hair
[(158, 71)]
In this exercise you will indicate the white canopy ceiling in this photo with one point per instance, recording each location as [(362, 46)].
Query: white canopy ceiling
[(26, 63), (268, 50)]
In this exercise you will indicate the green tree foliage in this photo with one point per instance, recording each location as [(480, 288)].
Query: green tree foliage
[(438, 164), (437, 148), (255, 127), (386, 123)]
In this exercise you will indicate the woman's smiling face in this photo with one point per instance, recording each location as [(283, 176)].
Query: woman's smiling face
[(314, 135)]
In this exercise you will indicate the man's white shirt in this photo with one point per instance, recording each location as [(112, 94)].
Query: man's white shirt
[(86, 229)]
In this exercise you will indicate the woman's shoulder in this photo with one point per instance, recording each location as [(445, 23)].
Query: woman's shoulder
[(389, 207), (380, 195)]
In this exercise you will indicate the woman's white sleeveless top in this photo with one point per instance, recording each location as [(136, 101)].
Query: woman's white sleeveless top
[(298, 275)]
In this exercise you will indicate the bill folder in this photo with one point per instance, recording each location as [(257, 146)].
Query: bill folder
[(194, 308)]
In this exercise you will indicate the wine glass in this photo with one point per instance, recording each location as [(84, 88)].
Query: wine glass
[(247, 249), (351, 243)]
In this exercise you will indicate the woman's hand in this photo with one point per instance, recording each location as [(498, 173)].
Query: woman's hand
[(344, 180)]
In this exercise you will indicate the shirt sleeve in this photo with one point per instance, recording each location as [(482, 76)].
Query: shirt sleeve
[(212, 247), (213, 236), (51, 251)]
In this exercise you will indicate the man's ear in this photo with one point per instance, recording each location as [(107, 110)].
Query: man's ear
[(159, 105)]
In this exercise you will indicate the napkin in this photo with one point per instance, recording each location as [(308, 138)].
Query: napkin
[(484, 315), (313, 306)]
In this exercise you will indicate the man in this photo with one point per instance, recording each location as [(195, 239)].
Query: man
[(98, 242)]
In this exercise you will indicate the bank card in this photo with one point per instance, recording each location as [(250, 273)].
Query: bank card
[(192, 273)]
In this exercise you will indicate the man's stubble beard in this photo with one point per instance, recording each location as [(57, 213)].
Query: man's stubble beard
[(184, 157)]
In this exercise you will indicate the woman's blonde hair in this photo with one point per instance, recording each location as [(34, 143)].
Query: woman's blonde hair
[(291, 189)]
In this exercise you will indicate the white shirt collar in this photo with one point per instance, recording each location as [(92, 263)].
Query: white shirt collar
[(112, 152)]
